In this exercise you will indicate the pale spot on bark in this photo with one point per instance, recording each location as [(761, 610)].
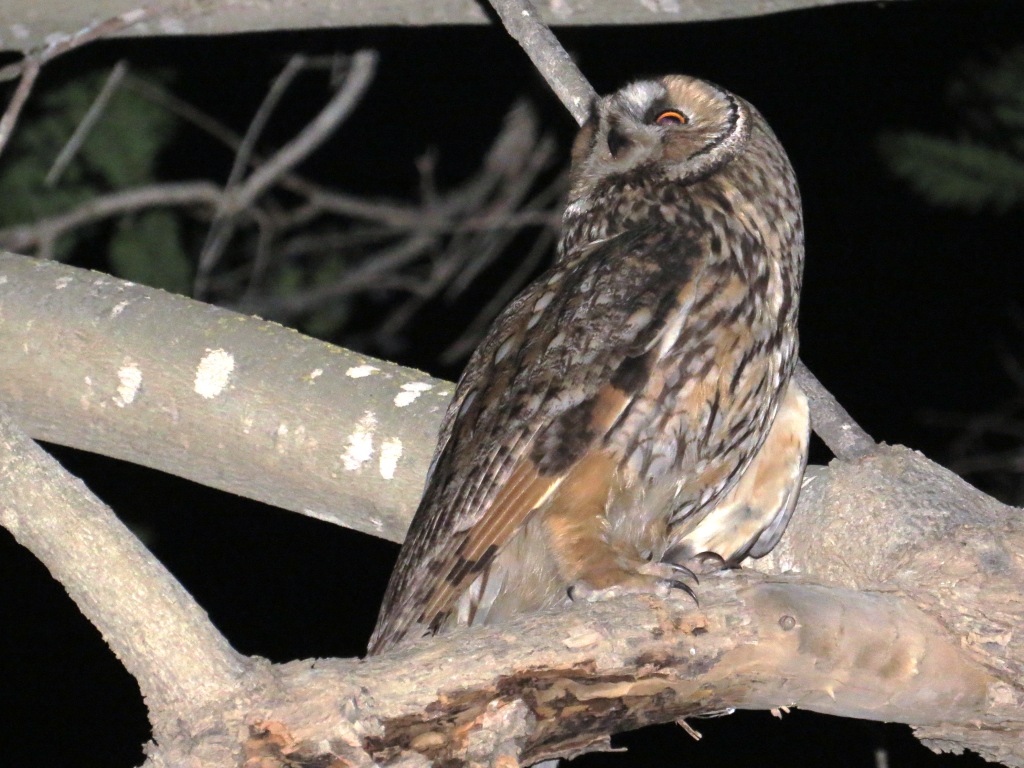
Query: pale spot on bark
[(129, 377), (361, 371), (360, 443), (213, 373), (410, 392), (390, 453)]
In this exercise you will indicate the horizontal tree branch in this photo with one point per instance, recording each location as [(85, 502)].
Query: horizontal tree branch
[(226, 400), (557, 684), (237, 403), (43, 231), (36, 22), (138, 374), (918, 625)]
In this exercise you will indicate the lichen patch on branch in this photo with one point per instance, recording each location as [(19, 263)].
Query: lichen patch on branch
[(213, 373), (410, 392), (129, 377), (361, 371), (360, 443), (390, 452)]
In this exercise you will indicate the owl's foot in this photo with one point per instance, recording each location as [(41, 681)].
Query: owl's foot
[(701, 563), (648, 579)]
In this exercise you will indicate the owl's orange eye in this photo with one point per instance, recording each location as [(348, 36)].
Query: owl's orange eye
[(671, 117)]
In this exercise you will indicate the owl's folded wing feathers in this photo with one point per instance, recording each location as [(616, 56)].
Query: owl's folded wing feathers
[(541, 391)]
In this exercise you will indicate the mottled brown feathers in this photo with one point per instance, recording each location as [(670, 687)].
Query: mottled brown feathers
[(623, 409)]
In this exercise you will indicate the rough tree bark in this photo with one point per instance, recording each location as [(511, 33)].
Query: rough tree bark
[(895, 594), (25, 24)]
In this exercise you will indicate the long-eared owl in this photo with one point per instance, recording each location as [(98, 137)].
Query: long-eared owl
[(632, 411)]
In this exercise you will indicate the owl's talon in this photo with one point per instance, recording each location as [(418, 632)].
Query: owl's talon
[(688, 572), (710, 562), (648, 579), (685, 588)]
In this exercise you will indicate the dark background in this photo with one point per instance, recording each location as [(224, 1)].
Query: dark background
[(904, 311)]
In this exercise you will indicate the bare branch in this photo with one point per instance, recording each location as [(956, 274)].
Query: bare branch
[(130, 372), (304, 429), (223, 225), (87, 123), (522, 21), (238, 198), (28, 68), (843, 436), (29, 73), (312, 135), (164, 639), (36, 234), (580, 675), (226, 16), (557, 683)]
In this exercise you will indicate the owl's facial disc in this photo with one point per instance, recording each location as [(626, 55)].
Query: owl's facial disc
[(682, 126)]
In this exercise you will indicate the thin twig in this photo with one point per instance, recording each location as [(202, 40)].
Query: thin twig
[(86, 124), (522, 21), (23, 236), (475, 329), (364, 64), (223, 226), (367, 275), (10, 117), (28, 68), (309, 138), (320, 200), (276, 92)]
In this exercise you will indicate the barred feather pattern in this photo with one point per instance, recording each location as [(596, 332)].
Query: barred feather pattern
[(608, 418)]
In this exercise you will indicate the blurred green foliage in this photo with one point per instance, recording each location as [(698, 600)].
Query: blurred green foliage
[(982, 165), (120, 151)]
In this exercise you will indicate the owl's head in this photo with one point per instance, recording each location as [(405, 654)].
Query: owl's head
[(684, 127)]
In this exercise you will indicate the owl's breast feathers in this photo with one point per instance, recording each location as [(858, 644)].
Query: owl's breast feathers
[(654, 353)]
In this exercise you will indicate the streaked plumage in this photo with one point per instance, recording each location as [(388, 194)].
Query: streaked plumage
[(621, 409)]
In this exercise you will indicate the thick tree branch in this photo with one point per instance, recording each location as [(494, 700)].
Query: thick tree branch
[(578, 676), (558, 683), (89, 360), (229, 401), (924, 633), (163, 638), (38, 22)]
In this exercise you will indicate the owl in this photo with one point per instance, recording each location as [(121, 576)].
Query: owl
[(630, 418)]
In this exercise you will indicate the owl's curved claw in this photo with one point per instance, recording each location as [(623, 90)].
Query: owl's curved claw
[(710, 562), (687, 589), (688, 572), (648, 579)]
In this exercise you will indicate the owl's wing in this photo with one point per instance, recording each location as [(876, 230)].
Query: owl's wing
[(557, 369)]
